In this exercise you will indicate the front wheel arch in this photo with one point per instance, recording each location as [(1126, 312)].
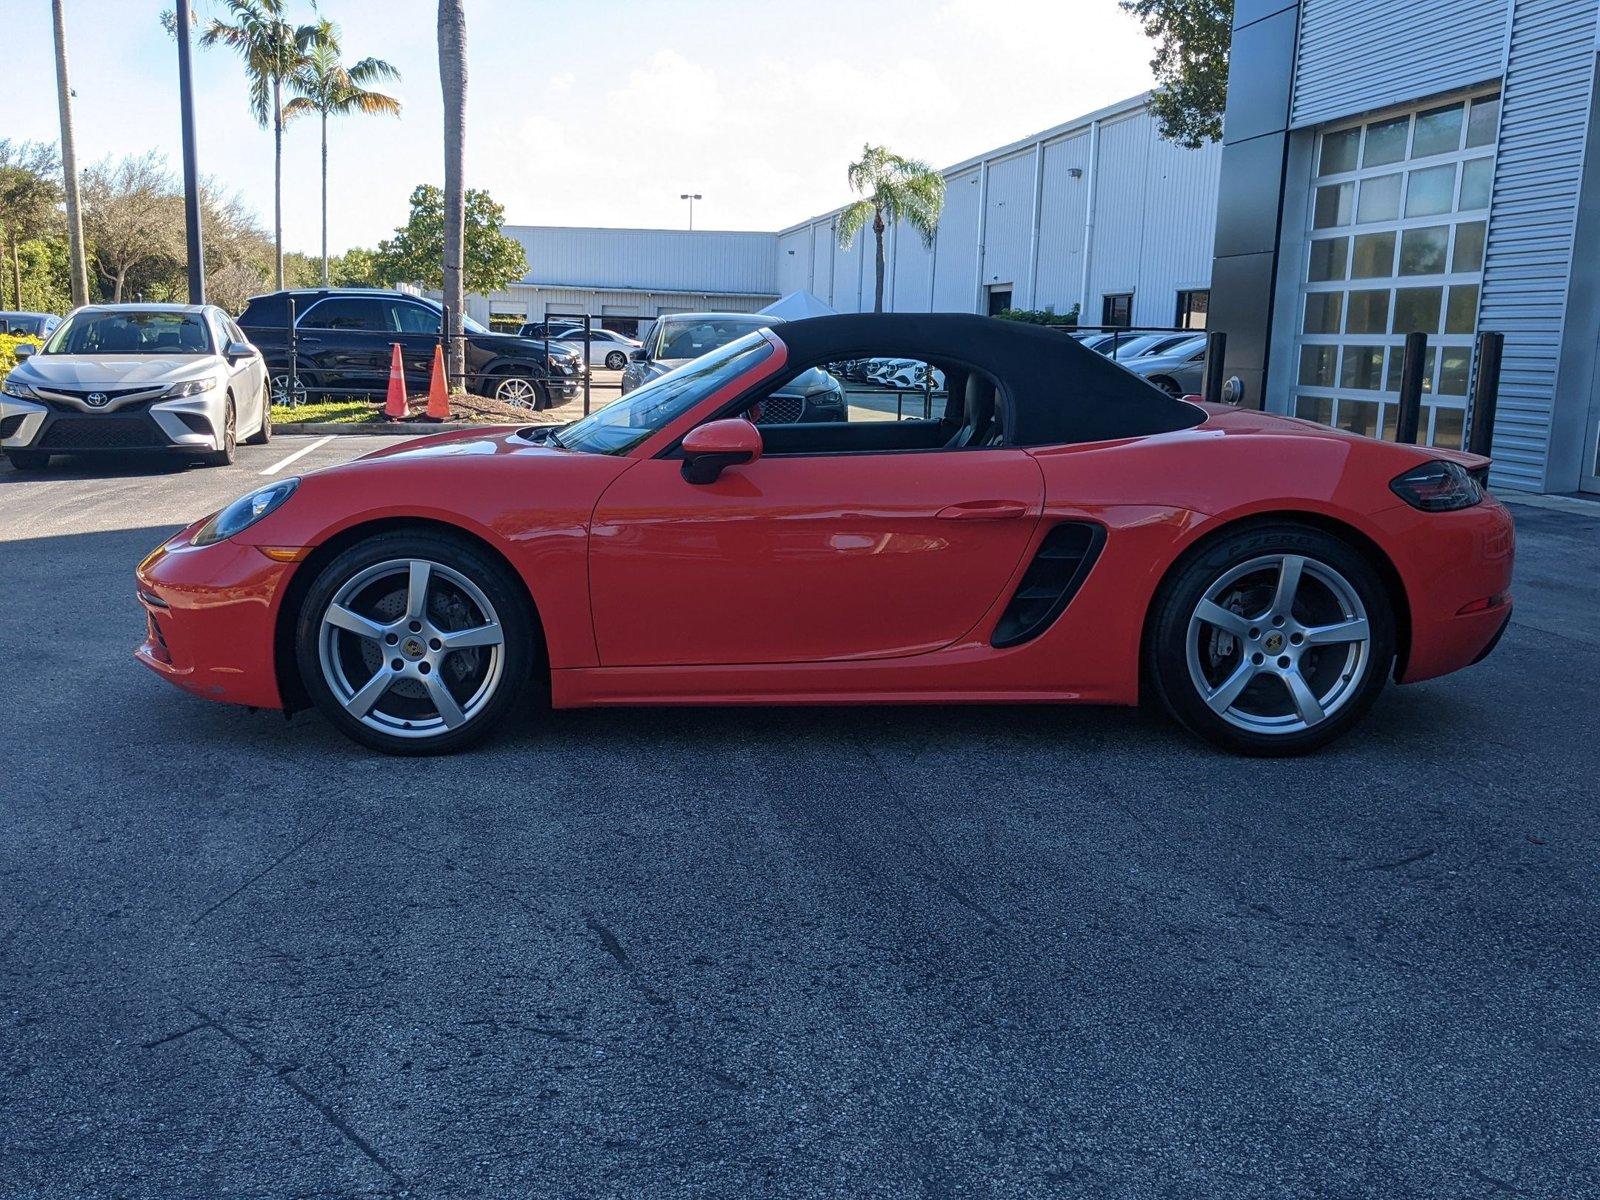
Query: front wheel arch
[(291, 688), (1394, 586)]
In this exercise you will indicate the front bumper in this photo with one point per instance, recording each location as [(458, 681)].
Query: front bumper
[(56, 427), (210, 616)]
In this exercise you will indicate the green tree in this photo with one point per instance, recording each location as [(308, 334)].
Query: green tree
[(1192, 39), (272, 50), (892, 188), (356, 267), (416, 252), (29, 200), (324, 86), (455, 253)]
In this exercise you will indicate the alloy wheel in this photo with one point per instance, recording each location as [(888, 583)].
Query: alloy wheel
[(411, 648), (281, 392), (1278, 644), (616, 360), (514, 389)]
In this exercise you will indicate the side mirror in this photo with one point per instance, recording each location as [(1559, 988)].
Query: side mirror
[(25, 350), (238, 350), (716, 445), (639, 355)]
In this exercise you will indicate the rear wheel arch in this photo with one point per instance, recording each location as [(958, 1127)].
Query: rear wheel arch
[(291, 688), (1394, 586)]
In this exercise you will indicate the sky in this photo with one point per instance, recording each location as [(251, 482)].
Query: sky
[(597, 112)]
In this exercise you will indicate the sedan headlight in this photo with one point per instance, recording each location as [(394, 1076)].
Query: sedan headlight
[(190, 387), (1439, 486), (245, 512), (15, 387)]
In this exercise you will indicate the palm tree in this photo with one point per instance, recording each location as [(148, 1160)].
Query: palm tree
[(272, 50), (892, 189), (325, 86), (453, 83), (69, 165)]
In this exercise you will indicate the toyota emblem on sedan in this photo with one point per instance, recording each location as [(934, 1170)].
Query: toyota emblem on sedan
[(97, 399)]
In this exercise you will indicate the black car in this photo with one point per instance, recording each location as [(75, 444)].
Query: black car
[(343, 339)]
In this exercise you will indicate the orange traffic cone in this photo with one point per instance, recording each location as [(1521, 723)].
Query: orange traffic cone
[(438, 395), (395, 407)]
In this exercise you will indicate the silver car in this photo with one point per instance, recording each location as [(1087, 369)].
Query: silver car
[(124, 378), (1177, 369)]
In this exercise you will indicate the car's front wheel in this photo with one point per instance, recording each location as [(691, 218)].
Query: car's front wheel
[(230, 438), (616, 360), (520, 391), (415, 643), (263, 434), (1271, 641), (28, 460)]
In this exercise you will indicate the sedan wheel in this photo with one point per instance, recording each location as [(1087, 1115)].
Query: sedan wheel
[(1274, 641), (414, 644), (521, 392), (616, 360), (283, 393)]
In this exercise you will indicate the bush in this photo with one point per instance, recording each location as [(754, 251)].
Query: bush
[(8, 350), (1040, 316)]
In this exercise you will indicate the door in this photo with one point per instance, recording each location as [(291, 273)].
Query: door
[(416, 327), (807, 557), (346, 339)]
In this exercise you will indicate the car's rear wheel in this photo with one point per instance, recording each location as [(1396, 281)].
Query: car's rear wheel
[(28, 460), (415, 643), (286, 391), (520, 391), (1168, 385), (616, 360), (1271, 641), (262, 435)]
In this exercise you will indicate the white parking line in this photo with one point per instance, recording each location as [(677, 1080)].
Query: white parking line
[(298, 454)]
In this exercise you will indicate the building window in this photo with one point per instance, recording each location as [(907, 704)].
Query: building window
[(1398, 211), (1117, 310), (999, 299), (1192, 309)]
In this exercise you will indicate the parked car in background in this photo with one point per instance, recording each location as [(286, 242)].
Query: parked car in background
[(120, 378), (607, 348), (30, 324), (343, 340), (1178, 369), (1136, 345), (680, 338)]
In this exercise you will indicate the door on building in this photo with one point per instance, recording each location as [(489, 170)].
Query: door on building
[(999, 298), (1192, 308)]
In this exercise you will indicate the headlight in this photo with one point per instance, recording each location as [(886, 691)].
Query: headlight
[(245, 512), (1438, 486), (192, 387), (15, 387)]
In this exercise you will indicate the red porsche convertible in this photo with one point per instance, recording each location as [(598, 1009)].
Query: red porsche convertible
[(1047, 527)]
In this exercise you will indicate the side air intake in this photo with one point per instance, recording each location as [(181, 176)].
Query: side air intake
[(1053, 577)]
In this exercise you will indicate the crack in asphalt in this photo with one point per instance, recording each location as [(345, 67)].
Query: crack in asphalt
[(265, 871)]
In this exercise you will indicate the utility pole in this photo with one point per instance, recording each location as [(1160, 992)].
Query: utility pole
[(691, 197), (191, 170), (69, 166)]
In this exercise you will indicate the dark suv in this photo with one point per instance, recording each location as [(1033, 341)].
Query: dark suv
[(343, 338)]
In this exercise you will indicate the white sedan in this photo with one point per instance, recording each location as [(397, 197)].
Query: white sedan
[(607, 347), (115, 379)]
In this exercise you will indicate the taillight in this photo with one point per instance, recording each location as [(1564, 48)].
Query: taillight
[(1438, 486)]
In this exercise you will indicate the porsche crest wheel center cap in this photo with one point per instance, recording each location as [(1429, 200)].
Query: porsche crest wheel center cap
[(413, 647), (1274, 643)]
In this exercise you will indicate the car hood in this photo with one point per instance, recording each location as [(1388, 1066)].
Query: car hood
[(512, 343), (112, 370)]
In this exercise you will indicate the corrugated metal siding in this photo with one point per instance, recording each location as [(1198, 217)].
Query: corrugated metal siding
[(794, 262), (1538, 172), (1357, 55), (955, 278), (1061, 217), (646, 259), (1008, 227), (912, 275), (1119, 195)]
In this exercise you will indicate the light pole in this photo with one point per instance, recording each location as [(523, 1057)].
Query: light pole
[(691, 197), (191, 171)]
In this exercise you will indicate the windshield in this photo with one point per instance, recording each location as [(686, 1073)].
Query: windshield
[(467, 323), (694, 336), (619, 427), (130, 333)]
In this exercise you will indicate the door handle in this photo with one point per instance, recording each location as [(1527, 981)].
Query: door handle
[(983, 510)]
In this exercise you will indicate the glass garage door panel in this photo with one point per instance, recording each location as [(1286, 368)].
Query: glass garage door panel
[(1395, 233)]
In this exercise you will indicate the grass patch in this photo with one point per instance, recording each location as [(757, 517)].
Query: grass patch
[(335, 412)]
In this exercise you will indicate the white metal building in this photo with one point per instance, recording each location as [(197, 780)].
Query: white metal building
[(1098, 210)]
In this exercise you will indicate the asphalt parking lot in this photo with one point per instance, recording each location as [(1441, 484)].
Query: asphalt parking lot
[(884, 952)]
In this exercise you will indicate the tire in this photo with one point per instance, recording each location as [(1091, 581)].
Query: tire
[(263, 435), (230, 439), (616, 360), (28, 460), (1231, 663), (1168, 385), (464, 589), (278, 391), (520, 391)]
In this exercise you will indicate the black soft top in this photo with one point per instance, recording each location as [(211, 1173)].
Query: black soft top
[(1056, 390)]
